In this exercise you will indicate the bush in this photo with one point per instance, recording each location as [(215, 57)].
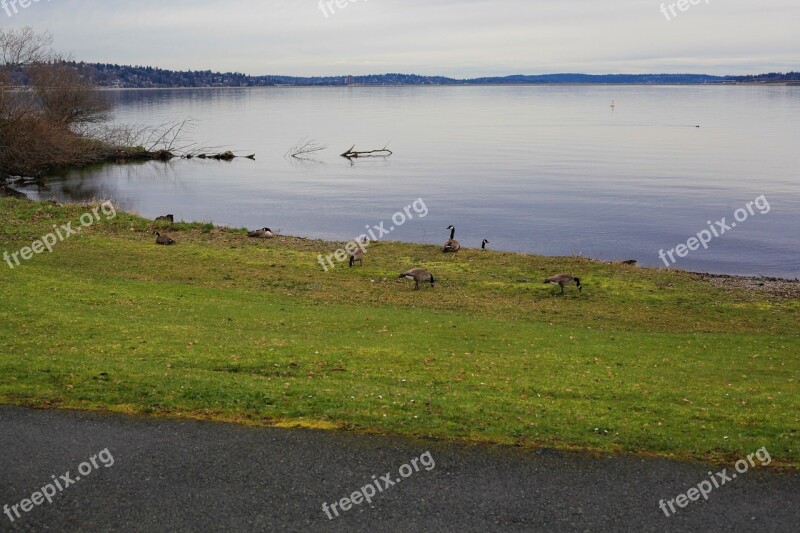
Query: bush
[(46, 108)]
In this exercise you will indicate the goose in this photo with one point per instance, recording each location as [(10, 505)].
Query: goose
[(358, 254), (484, 243), (418, 275), (263, 233), (163, 239), (452, 245), (166, 218), (564, 279)]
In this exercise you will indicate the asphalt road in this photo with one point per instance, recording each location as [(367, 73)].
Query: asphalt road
[(195, 476)]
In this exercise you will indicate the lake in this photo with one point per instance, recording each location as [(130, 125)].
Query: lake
[(551, 170)]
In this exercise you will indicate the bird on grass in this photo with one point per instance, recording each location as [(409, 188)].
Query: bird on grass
[(484, 243), (163, 239), (564, 279), (358, 254), (166, 218), (418, 275), (452, 245), (263, 233)]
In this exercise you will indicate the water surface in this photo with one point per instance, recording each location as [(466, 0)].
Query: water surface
[(550, 170)]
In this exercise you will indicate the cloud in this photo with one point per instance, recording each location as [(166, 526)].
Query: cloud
[(462, 38)]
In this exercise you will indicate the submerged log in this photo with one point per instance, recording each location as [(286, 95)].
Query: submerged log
[(352, 153), (224, 156)]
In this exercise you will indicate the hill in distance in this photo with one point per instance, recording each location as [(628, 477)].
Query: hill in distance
[(122, 76)]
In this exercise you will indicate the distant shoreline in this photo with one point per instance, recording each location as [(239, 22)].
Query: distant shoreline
[(720, 84)]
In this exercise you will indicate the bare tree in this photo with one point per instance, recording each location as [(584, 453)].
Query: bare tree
[(64, 97), (44, 107), (24, 47), (51, 116)]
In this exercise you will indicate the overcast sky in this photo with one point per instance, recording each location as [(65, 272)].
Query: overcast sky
[(460, 38)]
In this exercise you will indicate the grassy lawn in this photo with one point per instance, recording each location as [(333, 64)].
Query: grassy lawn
[(229, 328)]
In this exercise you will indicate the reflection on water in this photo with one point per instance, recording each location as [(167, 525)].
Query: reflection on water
[(551, 170)]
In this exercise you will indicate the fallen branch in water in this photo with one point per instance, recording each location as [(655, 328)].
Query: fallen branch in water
[(224, 156), (303, 148), (353, 154), (161, 143)]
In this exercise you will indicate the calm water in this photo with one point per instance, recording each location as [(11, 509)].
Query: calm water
[(550, 170)]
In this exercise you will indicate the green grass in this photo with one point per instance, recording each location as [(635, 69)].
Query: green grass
[(223, 327)]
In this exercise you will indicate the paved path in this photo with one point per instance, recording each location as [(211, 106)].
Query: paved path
[(194, 476)]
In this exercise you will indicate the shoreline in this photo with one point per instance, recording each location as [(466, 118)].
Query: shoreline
[(772, 285)]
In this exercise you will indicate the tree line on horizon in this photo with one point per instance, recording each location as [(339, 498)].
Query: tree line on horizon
[(125, 76)]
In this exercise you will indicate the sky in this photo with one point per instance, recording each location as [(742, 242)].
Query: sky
[(457, 38)]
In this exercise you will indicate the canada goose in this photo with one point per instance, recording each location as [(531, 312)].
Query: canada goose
[(484, 243), (166, 218), (631, 262), (452, 245), (418, 275), (163, 239), (358, 255), (564, 279), (263, 233)]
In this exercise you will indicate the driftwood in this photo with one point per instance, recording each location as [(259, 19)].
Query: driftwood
[(304, 148), (353, 154), (224, 156)]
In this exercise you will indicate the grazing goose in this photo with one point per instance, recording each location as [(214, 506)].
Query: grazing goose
[(418, 275), (358, 254), (631, 262), (263, 233), (166, 218), (163, 239), (452, 245), (564, 279), (484, 243)]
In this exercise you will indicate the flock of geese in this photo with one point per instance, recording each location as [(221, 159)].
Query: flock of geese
[(451, 246), (417, 275)]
